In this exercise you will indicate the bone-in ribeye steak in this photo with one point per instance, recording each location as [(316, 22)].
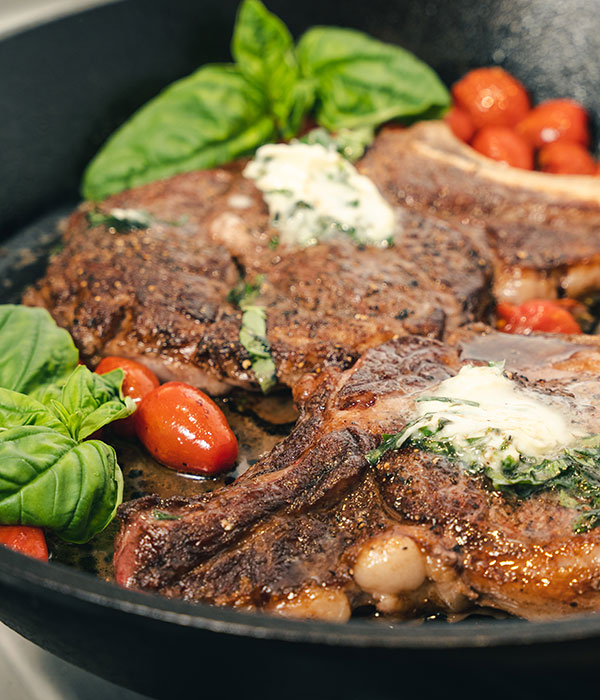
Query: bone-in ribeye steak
[(312, 530)]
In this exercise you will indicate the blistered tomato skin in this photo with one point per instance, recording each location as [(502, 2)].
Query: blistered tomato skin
[(566, 158), (555, 120), (504, 145), (25, 539), (460, 123), (138, 382), (492, 97), (536, 315), (185, 430)]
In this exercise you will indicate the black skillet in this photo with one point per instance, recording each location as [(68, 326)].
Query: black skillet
[(64, 87)]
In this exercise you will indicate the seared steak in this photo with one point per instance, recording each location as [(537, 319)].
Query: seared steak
[(160, 293), (313, 530), (543, 228)]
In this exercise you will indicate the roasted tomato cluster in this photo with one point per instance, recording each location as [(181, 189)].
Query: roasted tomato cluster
[(492, 111)]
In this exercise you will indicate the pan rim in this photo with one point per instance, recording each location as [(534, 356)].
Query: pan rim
[(73, 586), (46, 13)]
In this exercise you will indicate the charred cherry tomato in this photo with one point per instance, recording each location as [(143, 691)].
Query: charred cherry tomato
[(504, 145), (566, 158), (184, 429), (25, 539), (492, 97), (461, 124), (555, 120), (138, 382), (536, 315)]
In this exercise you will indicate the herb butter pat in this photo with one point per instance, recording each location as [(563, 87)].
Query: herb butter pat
[(314, 194), (489, 420)]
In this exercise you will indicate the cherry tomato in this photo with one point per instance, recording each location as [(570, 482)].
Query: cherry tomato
[(25, 539), (566, 158), (492, 97), (504, 145), (184, 429), (461, 124), (555, 120), (138, 382), (536, 315)]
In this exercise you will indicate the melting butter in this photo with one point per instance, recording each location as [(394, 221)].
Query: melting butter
[(314, 194), (488, 419)]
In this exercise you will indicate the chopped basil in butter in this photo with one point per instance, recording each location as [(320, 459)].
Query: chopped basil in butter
[(492, 426), (315, 194)]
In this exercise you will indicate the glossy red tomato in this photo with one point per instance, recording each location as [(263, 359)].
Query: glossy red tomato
[(138, 382), (566, 158), (536, 315), (492, 97), (184, 429), (25, 539), (505, 145), (555, 120), (461, 123)]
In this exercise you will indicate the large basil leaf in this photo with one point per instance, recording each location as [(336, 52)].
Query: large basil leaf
[(34, 351), (264, 51), (364, 82), (49, 480), (211, 117), (89, 401), (18, 409)]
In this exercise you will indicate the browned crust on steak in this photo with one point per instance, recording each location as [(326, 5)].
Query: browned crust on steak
[(160, 294), (299, 519)]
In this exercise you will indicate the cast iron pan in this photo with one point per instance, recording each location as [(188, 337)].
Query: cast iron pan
[(65, 86)]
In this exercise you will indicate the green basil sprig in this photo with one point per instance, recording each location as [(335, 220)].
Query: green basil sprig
[(49, 475), (222, 112)]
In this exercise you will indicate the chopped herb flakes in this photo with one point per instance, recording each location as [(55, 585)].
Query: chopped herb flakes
[(522, 445), (253, 333), (121, 220), (163, 515)]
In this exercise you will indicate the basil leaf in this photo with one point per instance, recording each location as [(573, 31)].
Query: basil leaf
[(365, 82), (253, 336), (253, 332), (47, 479), (263, 48), (211, 117), (34, 351), (18, 409), (90, 401)]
